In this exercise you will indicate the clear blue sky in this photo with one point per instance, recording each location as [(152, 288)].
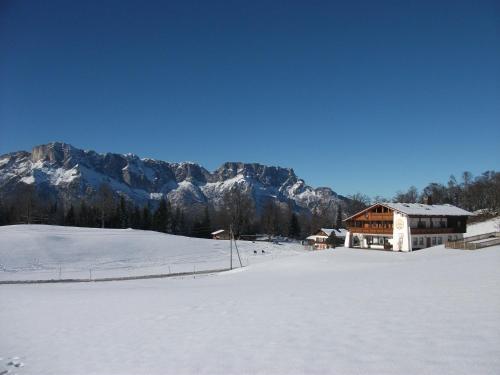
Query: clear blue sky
[(369, 96)]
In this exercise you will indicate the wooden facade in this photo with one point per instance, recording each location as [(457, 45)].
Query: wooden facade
[(380, 220), (377, 220), (405, 226)]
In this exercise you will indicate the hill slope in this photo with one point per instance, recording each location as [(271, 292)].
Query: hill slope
[(43, 252)]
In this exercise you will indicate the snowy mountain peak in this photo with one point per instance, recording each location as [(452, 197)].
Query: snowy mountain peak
[(59, 170)]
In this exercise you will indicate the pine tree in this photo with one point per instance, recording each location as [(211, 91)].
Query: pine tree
[(160, 217), (135, 218), (123, 213), (69, 219), (146, 218), (339, 217), (294, 230), (83, 215), (203, 227)]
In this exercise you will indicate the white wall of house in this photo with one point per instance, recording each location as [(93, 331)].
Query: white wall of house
[(348, 239), (401, 233), (402, 239)]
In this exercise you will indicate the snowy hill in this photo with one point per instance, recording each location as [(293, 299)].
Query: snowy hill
[(488, 226), (61, 170), (343, 311), (50, 252)]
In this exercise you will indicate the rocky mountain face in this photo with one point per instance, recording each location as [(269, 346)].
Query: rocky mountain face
[(61, 171)]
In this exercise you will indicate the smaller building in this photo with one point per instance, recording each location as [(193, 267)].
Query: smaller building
[(220, 234), (326, 238)]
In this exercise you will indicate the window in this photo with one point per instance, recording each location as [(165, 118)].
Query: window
[(421, 241), (450, 238), (415, 241), (433, 240), (440, 240)]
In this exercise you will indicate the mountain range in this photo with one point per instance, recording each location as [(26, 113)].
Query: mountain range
[(61, 171)]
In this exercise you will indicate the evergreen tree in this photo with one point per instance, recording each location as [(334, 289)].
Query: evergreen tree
[(160, 217), (123, 213), (83, 215), (146, 219), (340, 223), (294, 230), (69, 219), (202, 228), (135, 218)]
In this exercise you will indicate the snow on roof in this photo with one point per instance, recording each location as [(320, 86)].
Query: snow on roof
[(217, 232), (314, 237), (340, 232), (328, 231), (337, 232), (428, 209), (418, 209)]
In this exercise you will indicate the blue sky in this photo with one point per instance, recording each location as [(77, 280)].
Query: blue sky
[(368, 96)]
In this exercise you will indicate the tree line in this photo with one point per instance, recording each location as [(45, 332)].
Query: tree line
[(472, 193), (106, 209)]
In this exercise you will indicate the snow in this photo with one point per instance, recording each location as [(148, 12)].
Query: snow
[(413, 209), (28, 180), (489, 226), (338, 232), (156, 196), (4, 161), (43, 252), (342, 311), (428, 209)]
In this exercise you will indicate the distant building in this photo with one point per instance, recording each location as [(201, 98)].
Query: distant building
[(220, 234), (405, 226), (326, 237)]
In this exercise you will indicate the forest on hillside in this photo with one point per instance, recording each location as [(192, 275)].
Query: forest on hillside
[(109, 210)]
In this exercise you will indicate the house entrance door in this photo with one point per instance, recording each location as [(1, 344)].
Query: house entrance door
[(428, 242)]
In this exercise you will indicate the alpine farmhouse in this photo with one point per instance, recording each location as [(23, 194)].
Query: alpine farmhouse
[(326, 237), (405, 226)]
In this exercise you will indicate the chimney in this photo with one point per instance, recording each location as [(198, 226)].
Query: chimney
[(428, 200)]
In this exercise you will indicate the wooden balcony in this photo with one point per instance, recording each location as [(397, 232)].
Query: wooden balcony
[(436, 230), (379, 216), (369, 230)]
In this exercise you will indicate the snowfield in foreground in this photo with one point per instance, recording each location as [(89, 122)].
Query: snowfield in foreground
[(342, 311)]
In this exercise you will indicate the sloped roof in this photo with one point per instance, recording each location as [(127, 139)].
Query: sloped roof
[(419, 209), (428, 209), (337, 232), (328, 231)]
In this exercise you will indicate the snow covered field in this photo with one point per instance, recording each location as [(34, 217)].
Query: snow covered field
[(42, 252), (342, 311), (488, 226)]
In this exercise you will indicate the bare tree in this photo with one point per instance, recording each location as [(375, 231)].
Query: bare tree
[(357, 202), (410, 196), (238, 205), (105, 201)]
